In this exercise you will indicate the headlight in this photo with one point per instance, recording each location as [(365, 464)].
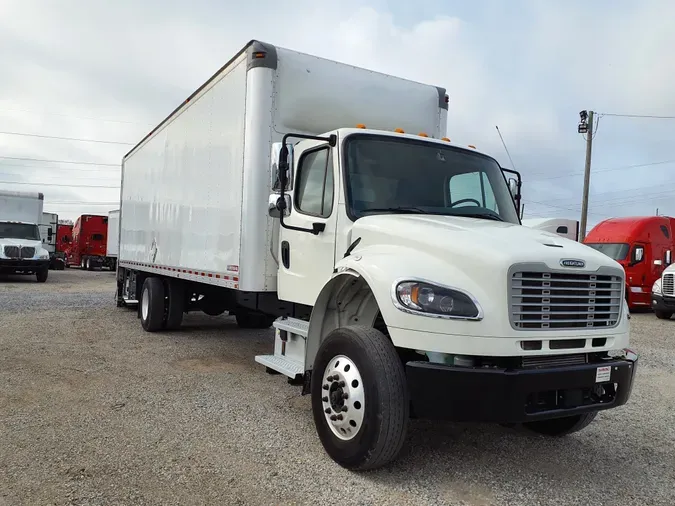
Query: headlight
[(656, 287), (44, 255), (433, 300)]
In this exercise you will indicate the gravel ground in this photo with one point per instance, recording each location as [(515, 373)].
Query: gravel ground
[(95, 411)]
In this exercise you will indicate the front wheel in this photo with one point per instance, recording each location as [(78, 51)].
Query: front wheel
[(663, 315), (359, 398), (561, 426), (42, 275)]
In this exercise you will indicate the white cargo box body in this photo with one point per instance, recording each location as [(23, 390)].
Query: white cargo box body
[(49, 221), (195, 190), (21, 206), (113, 241)]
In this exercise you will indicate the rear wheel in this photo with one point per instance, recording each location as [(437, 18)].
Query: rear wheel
[(663, 315), (253, 320), (42, 275), (359, 398), (561, 426), (152, 305), (175, 292)]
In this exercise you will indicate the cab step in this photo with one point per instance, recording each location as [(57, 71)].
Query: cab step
[(290, 338)]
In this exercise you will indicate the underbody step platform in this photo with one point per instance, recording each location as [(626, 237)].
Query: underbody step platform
[(289, 348)]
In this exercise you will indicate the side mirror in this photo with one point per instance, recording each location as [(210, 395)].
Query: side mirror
[(276, 204), (638, 255), (513, 187), (669, 258), (274, 173)]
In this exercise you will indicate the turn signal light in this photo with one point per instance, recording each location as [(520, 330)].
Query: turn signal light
[(445, 139), (360, 125), (422, 134), (399, 131)]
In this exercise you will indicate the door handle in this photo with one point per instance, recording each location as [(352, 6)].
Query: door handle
[(286, 254)]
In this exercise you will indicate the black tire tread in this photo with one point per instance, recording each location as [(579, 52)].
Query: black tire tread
[(156, 310), (42, 275), (175, 304), (663, 315)]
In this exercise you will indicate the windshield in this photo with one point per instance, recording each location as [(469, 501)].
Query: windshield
[(615, 251), (385, 175), (19, 231)]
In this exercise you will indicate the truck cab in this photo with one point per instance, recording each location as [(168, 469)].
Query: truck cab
[(642, 245), (663, 294), (21, 250), (421, 278)]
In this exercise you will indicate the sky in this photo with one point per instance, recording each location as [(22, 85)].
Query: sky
[(110, 71)]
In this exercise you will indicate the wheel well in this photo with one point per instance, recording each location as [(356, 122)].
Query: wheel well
[(346, 300)]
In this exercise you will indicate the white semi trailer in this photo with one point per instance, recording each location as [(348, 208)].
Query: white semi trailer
[(112, 240), (327, 201)]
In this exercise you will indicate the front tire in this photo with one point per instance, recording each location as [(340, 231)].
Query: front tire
[(663, 315), (359, 398), (152, 305), (561, 426), (42, 275)]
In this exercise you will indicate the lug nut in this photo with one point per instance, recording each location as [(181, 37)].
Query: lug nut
[(325, 387), (341, 384), (339, 417), (328, 411), (324, 399), (344, 408), (345, 396), (333, 418)]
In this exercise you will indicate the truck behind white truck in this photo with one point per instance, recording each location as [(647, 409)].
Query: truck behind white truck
[(21, 249), (391, 261), (663, 292), (112, 240), (48, 227)]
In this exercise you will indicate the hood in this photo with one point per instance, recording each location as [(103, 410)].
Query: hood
[(21, 242), (477, 241)]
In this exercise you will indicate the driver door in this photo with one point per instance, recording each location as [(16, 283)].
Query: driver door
[(306, 260)]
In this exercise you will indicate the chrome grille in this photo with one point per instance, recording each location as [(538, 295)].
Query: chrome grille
[(668, 285), (544, 300), (19, 252)]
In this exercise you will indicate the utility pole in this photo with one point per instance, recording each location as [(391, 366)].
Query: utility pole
[(586, 126)]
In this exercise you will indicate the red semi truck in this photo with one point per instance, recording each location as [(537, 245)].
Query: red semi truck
[(644, 245), (89, 239)]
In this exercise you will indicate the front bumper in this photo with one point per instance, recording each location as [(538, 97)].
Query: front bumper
[(467, 394), (22, 266), (661, 303)]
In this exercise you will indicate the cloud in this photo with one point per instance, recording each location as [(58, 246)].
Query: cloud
[(527, 66)]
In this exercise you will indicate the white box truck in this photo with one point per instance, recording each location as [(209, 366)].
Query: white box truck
[(112, 240), (325, 200), (21, 248), (48, 226), (561, 226)]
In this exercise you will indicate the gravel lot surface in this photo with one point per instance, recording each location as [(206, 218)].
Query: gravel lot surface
[(95, 411)]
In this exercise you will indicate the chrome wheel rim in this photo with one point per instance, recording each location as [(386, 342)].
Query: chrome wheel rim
[(145, 304), (343, 397)]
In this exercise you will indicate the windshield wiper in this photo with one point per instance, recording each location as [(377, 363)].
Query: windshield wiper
[(485, 216), (401, 210)]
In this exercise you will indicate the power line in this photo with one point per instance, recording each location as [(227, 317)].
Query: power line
[(59, 161), (77, 169), (612, 169), (63, 185), (648, 116), (108, 179), (67, 138), (640, 188), (76, 117)]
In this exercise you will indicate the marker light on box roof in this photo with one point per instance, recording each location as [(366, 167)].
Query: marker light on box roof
[(360, 125)]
